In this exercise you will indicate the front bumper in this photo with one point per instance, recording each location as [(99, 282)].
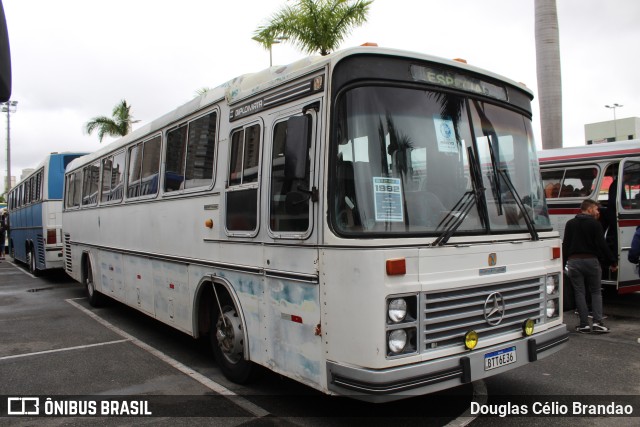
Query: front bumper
[(439, 374)]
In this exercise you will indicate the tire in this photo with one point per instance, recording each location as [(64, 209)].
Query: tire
[(31, 263), (227, 343), (96, 299)]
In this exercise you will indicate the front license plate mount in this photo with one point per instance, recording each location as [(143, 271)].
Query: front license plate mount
[(500, 358)]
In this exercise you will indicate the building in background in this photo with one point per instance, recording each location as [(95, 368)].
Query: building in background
[(612, 130), (25, 173)]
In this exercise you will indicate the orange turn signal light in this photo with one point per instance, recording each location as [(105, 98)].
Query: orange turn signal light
[(556, 253), (396, 267)]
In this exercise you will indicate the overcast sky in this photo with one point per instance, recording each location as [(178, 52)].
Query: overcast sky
[(76, 59)]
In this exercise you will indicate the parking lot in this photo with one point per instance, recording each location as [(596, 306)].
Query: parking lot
[(54, 345)]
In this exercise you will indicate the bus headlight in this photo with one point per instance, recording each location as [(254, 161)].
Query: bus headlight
[(553, 284), (397, 310), (397, 340), (552, 308)]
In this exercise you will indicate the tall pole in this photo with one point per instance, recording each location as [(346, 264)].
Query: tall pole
[(9, 107), (548, 71), (615, 122)]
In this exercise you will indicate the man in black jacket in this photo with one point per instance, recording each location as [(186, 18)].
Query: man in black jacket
[(584, 248)]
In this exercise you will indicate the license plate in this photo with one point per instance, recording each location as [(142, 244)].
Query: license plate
[(499, 358)]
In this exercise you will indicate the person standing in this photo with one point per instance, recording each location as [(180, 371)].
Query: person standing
[(584, 248), (634, 252)]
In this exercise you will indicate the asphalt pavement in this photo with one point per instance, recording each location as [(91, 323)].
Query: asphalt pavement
[(53, 345)]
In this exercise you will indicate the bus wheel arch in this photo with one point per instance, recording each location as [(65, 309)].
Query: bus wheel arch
[(219, 309)]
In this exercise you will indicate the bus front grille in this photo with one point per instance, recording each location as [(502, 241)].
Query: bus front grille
[(448, 315)]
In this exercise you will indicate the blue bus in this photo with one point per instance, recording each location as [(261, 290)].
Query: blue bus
[(35, 215)]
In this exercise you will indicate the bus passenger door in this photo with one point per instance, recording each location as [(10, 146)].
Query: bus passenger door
[(291, 305), (628, 218)]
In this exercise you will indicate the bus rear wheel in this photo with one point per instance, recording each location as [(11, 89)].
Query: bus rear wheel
[(31, 262), (227, 343), (95, 298)]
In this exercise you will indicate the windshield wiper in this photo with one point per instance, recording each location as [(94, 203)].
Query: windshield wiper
[(496, 171), (490, 133), (451, 222), (525, 213), (463, 206)]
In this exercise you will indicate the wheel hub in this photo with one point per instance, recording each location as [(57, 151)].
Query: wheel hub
[(229, 336)]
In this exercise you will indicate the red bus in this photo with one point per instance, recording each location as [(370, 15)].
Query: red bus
[(609, 173)]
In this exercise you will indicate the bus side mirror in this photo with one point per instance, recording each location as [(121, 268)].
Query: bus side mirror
[(5, 59), (296, 147)]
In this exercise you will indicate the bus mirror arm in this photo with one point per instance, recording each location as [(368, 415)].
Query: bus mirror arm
[(313, 193), (295, 200)]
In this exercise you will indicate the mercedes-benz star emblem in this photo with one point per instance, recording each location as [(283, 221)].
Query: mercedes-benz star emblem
[(494, 308)]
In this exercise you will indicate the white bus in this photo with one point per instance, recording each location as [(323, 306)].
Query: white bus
[(35, 213), (610, 174), (370, 223)]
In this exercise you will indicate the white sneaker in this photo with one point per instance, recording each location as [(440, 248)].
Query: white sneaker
[(599, 328)]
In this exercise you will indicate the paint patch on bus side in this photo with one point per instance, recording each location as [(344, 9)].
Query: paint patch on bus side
[(294, 310)]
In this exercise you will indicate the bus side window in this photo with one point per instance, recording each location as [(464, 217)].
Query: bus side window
[(631, 185), (242, 194), (150, 167), (175, 154), (551, 181), (144, 167), (90, 184), (289, 198)]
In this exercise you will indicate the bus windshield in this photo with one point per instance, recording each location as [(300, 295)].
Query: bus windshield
[(413, 161)]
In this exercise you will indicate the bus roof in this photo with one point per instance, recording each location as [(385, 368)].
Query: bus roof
[(47, 158), (590, 152), (252, 84)]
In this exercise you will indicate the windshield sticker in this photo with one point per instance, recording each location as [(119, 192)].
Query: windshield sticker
[(388, 198), (446, 135)]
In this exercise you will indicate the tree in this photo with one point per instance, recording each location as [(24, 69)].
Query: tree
[(548, 70), (119, 125), (314, 25)]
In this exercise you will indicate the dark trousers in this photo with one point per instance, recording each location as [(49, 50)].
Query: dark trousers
[(585, 277)]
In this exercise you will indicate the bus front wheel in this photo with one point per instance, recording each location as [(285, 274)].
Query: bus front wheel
[(227, 342)]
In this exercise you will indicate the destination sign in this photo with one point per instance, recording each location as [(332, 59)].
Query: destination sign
[(455, 80)]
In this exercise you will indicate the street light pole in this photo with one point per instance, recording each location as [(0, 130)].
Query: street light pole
[(276, 40), (615, 124), (9, 107)]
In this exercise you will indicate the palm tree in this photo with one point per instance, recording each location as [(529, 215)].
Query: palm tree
[(119, 125), (314, 25), (548, 70)]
